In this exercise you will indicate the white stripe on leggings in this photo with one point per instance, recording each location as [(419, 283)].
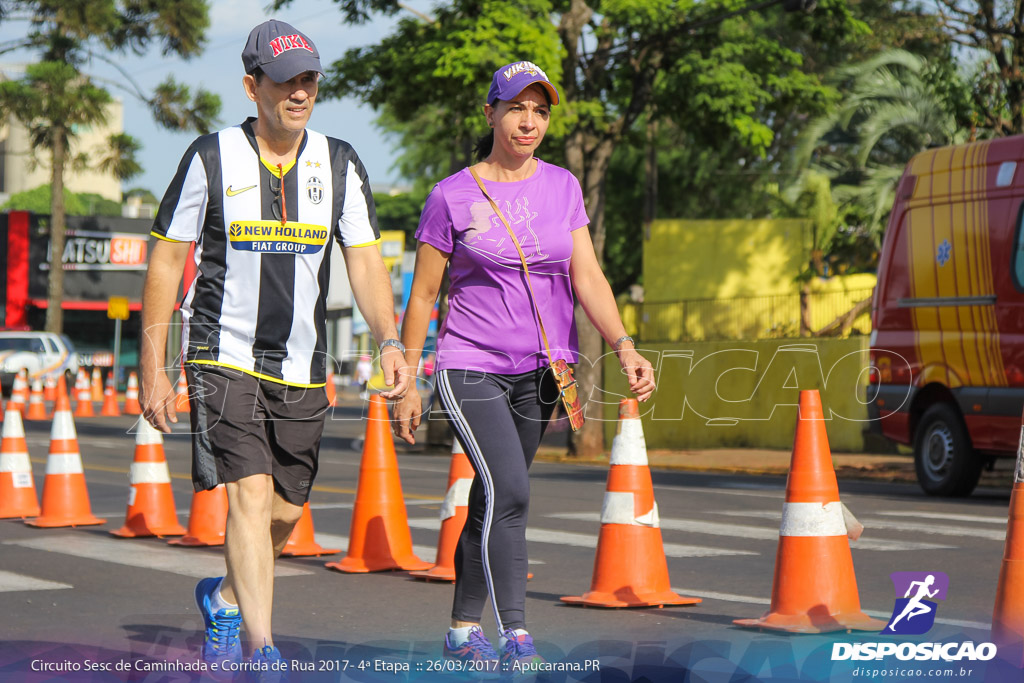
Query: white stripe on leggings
[(474, 451)]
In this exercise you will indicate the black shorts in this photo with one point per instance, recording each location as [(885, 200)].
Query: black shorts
[(243, 425)]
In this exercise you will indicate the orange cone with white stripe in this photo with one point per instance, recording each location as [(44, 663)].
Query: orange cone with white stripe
[(96, 388), (36, 408), (302, 542), (630, 569), (379, 537), (207, 518), (332, 391), (814, 589), (131, 395), (181, 394), (19, 392), (17, 490), (454, 511), (150, 499), (50, 388), (65, 497), (1008, 615), (83, 396), (110, 408)]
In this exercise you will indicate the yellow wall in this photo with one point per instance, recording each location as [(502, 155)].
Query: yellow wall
[(743, 393), (758, 260), (724, 258)]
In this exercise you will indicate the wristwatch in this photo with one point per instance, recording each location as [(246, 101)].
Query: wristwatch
[(392, 342), (621, 340)]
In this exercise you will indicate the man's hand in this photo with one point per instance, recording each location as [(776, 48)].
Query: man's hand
[(396, 373), (406, 415), (156, 397)]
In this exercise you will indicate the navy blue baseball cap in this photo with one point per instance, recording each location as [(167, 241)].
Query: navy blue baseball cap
[(281, 51), (512, 79)]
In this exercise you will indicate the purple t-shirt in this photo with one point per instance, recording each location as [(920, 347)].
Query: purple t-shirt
[(491, 324)]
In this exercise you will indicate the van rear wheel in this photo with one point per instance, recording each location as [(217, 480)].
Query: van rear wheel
[(943, 457)]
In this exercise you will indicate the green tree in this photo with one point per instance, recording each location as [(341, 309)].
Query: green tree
[(891, 109), (39, 200), (56, 95), (995, 32), (400, 212)]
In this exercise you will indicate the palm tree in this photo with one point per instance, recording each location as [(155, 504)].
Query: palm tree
[(888, 113)]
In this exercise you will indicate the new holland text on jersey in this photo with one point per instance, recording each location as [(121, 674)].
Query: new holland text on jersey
[(274, 238)]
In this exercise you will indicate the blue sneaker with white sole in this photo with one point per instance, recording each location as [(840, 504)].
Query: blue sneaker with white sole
[(222, 643), (268, 666)]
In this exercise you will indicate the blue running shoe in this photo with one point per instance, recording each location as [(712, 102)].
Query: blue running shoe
[(478, 655), (222, 643), (268, 666), (519, 656)]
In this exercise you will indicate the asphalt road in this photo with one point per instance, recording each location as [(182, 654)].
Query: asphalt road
[(68, 596)]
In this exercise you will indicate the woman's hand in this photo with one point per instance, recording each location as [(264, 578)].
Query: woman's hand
[(638, 371), (406, 414)]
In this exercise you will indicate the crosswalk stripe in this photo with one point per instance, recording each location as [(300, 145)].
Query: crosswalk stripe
[(754, 532), (350, 505), (590, 540), (423, 552), (9, 582), (950, 517), (943, 530), (182, 561), (878, 614)]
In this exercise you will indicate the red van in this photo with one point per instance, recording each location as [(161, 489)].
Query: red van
[(947, 347)]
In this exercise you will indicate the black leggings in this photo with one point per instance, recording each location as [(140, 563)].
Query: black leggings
[(499, 419)]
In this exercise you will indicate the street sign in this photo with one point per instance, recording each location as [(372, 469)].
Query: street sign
[(117, 308)]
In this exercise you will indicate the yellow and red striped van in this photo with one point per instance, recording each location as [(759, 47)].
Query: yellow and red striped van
[(948, 313)]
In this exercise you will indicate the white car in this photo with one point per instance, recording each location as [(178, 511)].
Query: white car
[(43, 354)]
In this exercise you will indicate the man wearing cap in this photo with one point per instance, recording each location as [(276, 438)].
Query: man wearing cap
[(262, 202)]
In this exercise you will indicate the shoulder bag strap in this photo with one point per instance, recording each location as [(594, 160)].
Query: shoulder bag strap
[(522, 258)]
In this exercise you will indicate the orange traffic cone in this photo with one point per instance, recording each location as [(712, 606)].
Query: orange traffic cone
[(36, 408), (181, 394), (131, 395), (454, 511), (110, 408), (332, 391), (65, 497), (83, 396), (150, 499), (814, 589), (207, 518), (96, 389), (1008, 615), (17, 490), (379, 538), (630, 569), (302, 541), (50, 388), (19, 391)]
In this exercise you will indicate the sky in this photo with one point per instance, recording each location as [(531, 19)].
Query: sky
[(219, 69)]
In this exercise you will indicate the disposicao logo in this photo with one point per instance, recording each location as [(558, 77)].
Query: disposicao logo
[(914, 612)]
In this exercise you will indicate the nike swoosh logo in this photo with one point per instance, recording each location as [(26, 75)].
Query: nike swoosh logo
[(232, 192)]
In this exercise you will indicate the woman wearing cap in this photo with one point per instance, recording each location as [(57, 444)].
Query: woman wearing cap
[(491, 361)]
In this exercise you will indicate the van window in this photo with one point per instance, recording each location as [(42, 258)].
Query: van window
[(1018, 253)]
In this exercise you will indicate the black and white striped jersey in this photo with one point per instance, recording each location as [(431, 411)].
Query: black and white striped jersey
[(259, 299)]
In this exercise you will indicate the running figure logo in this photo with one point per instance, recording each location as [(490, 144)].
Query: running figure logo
[(914, 613)]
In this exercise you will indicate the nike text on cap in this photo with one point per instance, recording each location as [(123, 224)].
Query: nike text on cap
[(512, 79), (281, 51)]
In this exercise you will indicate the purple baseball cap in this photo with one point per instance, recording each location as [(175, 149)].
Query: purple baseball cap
[(281, 51), (512, 79)]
